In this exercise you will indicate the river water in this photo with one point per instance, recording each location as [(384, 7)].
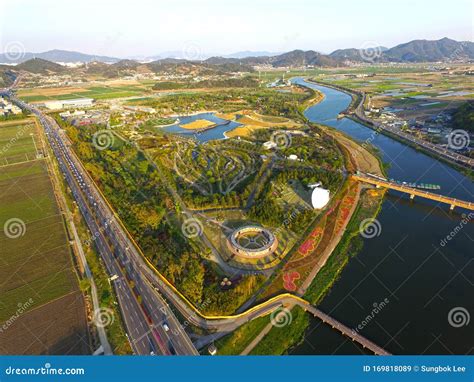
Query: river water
[(407, 264)]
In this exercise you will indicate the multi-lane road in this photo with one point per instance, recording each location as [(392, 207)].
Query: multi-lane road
[(141, 290), (151, 326)]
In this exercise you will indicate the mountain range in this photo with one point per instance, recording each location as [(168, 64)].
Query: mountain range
[(414, 51)]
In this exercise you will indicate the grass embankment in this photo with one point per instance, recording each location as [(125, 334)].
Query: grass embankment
[(350, 244), (236, 342), (280, 339)]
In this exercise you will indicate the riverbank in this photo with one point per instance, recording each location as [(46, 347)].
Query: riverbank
[(332, 256), (358, 98)]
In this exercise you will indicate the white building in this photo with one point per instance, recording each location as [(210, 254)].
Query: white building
[(319, 198), (269, 145), (64, 104)]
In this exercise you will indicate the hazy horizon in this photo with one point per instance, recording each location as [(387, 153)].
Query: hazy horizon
[(208, 27)]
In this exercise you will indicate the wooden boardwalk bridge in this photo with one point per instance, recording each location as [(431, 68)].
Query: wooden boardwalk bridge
[(352, 334), (379, 182)]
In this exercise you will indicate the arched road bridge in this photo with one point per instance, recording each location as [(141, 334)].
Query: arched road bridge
[(380, 182)]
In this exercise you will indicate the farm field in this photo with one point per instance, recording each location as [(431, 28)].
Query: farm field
[(38, 278), (98, 92), (416, 94)]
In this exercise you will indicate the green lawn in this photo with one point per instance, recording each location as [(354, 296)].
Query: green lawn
[(279, 339), (237, 341)]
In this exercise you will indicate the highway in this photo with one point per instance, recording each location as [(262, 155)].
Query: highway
[(151, 326), (140, 288)]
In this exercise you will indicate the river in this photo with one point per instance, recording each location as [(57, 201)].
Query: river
[(407, 264)]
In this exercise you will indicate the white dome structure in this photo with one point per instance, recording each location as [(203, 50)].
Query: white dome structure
[(319, 198)]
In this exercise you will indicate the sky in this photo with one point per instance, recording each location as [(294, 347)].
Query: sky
[(200, 28)]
